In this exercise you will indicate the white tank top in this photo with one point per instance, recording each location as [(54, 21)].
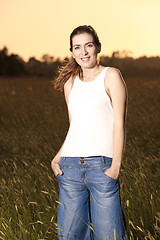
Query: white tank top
[(92, 119)]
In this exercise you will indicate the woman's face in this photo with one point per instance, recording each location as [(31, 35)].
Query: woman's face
[(84, 50)]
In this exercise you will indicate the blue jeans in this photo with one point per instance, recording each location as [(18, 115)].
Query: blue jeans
[(89, 201)]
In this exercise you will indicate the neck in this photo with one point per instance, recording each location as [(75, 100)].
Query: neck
[(90, 73)]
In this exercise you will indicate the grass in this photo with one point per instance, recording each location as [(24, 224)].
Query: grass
[(34, 122)]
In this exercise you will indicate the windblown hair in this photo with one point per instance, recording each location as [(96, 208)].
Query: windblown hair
[(72, 68)]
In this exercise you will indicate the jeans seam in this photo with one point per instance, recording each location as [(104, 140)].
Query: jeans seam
[(103, 161)]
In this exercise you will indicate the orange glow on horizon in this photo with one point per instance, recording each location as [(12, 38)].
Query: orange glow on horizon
[(33, 28)]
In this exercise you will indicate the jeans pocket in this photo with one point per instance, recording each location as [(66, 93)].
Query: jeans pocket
[(62, 163), (109, 176), (104, 168), (57, 175), (62, 160)]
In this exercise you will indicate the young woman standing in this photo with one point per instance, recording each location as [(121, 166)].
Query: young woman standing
[(87, 165)]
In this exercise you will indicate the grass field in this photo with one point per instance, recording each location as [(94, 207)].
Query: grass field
[(34, 122)]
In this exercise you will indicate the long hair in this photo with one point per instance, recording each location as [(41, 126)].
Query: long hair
[(72, 68)]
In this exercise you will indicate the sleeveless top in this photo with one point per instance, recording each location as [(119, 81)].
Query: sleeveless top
[(92, 119)]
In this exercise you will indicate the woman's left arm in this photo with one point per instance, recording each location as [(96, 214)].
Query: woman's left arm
[(116, 88)]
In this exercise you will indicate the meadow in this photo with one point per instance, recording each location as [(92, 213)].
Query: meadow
[(34, 122)]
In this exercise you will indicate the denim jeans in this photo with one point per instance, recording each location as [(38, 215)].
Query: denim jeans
[(89, 201)]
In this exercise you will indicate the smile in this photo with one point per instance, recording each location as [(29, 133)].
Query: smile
[(85, 59)]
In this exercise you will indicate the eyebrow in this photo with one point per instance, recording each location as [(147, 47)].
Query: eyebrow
[(79, 44)]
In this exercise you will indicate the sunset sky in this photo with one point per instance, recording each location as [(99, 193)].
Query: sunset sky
[(36, 27)]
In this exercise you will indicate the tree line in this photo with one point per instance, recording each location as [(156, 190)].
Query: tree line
[(47, 66)]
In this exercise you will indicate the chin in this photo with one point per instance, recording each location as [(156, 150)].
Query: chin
[(88, 64)]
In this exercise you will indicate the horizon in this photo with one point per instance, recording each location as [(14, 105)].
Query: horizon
[(9, 52)]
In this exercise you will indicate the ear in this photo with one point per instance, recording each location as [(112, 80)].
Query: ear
[(99, 49)]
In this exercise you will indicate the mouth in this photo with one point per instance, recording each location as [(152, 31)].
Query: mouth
[(85, 59)]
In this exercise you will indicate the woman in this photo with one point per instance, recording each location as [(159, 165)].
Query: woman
[(88, 163)]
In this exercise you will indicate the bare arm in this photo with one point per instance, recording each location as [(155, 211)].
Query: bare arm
[(55, 162), (116, 89)]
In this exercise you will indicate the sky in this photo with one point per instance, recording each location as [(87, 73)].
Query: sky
[(32, 28)]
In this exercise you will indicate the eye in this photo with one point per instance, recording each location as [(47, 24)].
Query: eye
[(76, 48), (90, 45)]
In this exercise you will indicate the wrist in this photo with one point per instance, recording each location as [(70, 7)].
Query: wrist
[(54, 162), (115, 168)]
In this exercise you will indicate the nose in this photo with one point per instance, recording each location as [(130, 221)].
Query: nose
[(84, 51)]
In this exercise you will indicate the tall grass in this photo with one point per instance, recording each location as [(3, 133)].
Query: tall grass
[(34, 122)]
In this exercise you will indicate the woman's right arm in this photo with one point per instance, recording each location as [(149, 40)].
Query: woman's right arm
[(56, 160), (55, 163)]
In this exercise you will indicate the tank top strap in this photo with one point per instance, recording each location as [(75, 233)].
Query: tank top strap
[(103, 73), (102, 77)]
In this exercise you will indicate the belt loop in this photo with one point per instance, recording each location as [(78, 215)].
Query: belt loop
[(103, 160)]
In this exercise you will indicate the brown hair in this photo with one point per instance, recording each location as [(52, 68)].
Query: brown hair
[(72, 68)]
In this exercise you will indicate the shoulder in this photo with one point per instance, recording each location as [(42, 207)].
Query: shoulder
[(114, 83), (67, 88), (113, 72), (68, 83), (113, 76)]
